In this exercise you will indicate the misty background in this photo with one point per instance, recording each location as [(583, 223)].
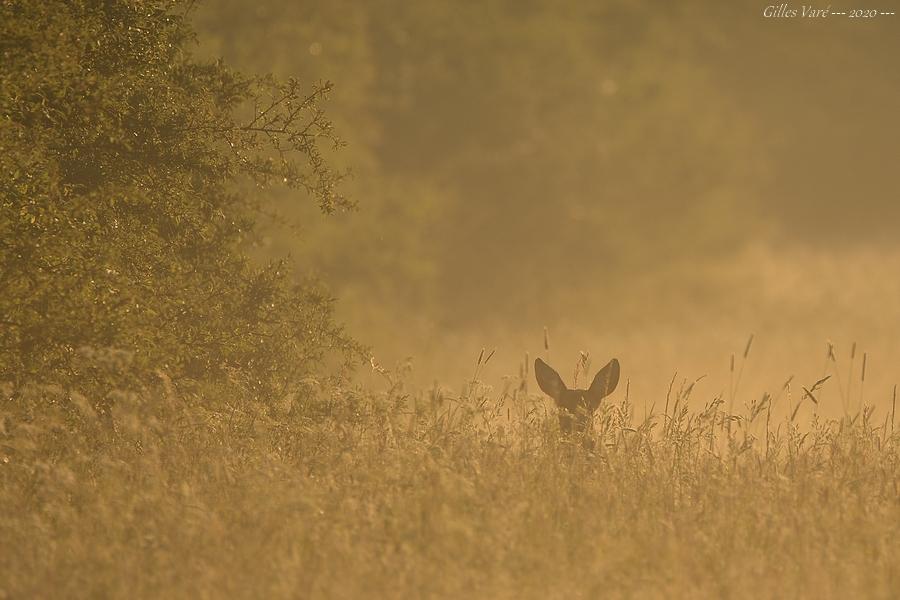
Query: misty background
[(647, 180)]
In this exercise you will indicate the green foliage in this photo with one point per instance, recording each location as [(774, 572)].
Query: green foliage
[(120, 223)]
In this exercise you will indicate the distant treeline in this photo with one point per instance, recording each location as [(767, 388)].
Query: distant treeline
[(504, 146)]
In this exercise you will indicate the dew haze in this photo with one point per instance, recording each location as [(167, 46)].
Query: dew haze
[(275, 277), (649, 181)]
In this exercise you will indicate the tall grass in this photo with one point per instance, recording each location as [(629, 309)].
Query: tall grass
[(405, 493)]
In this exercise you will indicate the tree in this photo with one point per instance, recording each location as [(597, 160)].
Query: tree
[(120, 221)]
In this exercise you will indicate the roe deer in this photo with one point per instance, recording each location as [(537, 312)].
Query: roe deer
[(576, 407)]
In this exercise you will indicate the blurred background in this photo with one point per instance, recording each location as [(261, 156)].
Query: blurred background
[(650, 180)]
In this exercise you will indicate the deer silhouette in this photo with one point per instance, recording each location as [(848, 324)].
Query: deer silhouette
[(576, 407)]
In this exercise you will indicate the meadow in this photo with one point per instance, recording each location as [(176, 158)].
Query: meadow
[(435, 493), (221, 224)]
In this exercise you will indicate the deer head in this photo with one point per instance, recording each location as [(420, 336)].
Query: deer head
[(576, 407)]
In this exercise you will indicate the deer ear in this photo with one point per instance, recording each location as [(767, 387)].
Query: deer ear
[(605, 381), (548, 379)]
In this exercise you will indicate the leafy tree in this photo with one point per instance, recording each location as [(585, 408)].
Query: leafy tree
[(121, 225)]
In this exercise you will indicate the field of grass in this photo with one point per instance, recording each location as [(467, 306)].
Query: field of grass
[(415, 494)]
